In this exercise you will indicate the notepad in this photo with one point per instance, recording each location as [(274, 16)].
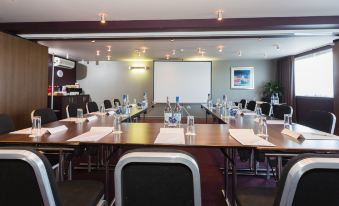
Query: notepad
[(170, 136), (318, 136), (53, 130), (271, 121), (248, 138), (290, 133), (95, 134), (110, 113), (249, 114), (92, 118), (73, 119)]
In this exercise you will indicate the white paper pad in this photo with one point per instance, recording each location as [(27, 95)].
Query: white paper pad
[(95, 134), (249, 114), (318, 136), (92, 118), (58, 129), (290, 133), (247, 137), (73, 119), (271, 121), (170, 136), (29, 131), (110, 113)]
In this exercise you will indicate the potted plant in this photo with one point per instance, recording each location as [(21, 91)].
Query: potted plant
[(271, 88)]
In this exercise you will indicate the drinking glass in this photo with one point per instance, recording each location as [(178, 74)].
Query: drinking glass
[(36, 126), (190, 125), (262, 130), (117, 124), (287, 121), (135, 101), (80, 113), (102, 109), (258, 112)]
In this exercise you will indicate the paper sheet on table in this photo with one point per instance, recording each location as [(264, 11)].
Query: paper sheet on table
[(73, 119), (93, 135), (247, 137), (271, 121), (110, 113), (92, 118), (170, 136), (249, 114), (29, 131), (318, 136)]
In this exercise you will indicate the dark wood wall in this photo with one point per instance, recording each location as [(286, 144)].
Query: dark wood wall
[(23, 78)]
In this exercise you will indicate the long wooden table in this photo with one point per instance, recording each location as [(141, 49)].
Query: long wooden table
[(207, 135)]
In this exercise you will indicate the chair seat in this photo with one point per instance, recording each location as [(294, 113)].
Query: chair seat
[(80, 192), (255, 196)]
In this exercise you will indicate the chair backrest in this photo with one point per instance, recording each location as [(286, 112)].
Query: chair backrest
[(92, 107), (309, 179), (47, 115), (107, 104), (115, 101), (26, 178), (251, 105), (280, 110), (321, 120), (266, 108), (243, 103), (157, 177), (6, 124), (71, 110)]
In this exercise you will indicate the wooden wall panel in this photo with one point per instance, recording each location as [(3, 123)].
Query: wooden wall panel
[(23, 78)]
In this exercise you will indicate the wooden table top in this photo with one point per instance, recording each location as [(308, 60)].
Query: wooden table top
[(207, 135)]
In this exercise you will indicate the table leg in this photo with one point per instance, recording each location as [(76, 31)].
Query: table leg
[(61, 165), (234, 174)]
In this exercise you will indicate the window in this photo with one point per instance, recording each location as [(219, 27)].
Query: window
[(314, 75)]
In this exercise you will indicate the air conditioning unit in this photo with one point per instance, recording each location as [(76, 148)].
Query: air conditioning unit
[(63, 63)]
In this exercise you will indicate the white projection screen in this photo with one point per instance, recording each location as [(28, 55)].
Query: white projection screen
[(191, 81)]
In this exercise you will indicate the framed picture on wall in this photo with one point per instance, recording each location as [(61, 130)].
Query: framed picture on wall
[(242, 77)]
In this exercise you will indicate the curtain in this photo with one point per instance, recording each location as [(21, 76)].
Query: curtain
[(286, 81)]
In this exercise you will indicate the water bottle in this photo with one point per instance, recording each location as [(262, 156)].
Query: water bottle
[(272, 99), (145, 101), (224, 100), (262, 130), (209, 101), (177, 113), (167, 113)]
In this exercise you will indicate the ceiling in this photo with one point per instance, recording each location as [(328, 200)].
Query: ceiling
[(251, 48), (87, 10)]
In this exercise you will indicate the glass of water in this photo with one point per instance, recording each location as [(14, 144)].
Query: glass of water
[(117, 124), (36, 126), (287, 121), (80, 115), (190, 125), (102, 109), (262, 129), (258, 112)]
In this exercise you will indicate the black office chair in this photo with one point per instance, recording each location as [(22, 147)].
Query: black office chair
[(6, 124), (107, 104), (92, 107), (47, 115), (242, 102), (155, 177), (321, 120), (71, 110), (251, 105), (308, 179), (266, 108), (26, 178), (280, 110), (116, 101)]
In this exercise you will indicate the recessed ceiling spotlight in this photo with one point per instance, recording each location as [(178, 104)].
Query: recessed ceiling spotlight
[(240, 53), (98, 52), (173, 52), (93, 41), (220, 48), (109, 48), (219, 14), (102, 17), (167, 56), (172, 40), (108, 57), (143, 49)]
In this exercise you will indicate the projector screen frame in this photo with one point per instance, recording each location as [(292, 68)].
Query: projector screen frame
[(211, 62)]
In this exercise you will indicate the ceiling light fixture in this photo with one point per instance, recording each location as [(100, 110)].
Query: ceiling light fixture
[(220, 12), (220, 48), (93, 41), (109, 48), (167, 56), (144, 49), (173, 52), (102, 18), (199, 50), (172, 40), (98, 52), (108, 57)]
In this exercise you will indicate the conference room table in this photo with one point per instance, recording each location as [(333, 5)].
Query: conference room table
[(144, 135)]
